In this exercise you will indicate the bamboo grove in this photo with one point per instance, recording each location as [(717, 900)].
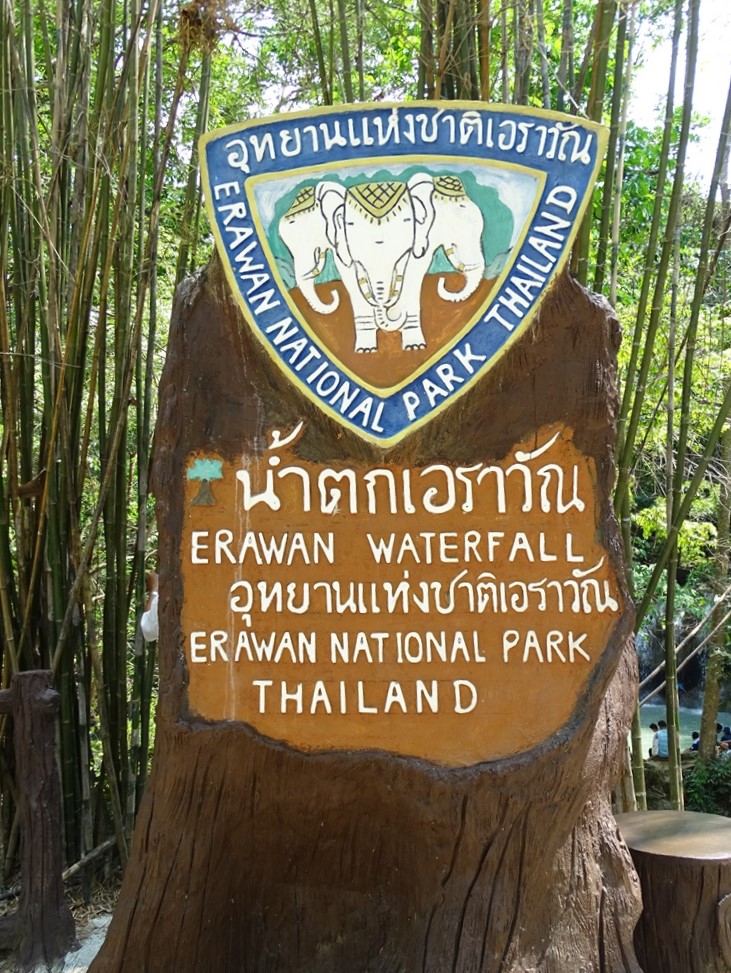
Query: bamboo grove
[(100, 217)]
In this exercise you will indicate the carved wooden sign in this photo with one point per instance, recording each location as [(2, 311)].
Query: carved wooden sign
[(386, 256), (407, 609), (395, 673)]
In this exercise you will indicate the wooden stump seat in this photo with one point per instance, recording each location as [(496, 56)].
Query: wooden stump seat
[(684, 863)]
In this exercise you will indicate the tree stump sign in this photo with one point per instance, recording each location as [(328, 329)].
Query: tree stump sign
[(395, 664)]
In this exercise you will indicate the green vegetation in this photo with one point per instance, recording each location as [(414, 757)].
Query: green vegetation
[(100, 217), (708, 788)]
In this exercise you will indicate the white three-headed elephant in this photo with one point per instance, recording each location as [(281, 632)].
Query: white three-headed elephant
[(383, 236)]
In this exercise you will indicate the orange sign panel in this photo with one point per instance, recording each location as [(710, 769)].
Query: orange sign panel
[(446, 612)]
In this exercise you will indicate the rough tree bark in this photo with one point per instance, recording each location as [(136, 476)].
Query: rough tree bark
[(683, 860), (43, 925), (250, 856)]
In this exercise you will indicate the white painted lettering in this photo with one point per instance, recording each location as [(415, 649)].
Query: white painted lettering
[(465, 696), (562, 196), (198, 642), (225, 189), (198, 546), (411, 403), (263, 685)]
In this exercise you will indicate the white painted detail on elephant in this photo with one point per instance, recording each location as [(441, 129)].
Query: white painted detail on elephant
[(383, 235)]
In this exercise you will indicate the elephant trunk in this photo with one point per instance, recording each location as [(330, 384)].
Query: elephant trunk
[(473, 274), (306, 285), (382, 281)]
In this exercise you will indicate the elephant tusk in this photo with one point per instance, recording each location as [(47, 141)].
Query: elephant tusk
[(319, 265), (397, 279), (365, 288), (396, 284), (456, 263)]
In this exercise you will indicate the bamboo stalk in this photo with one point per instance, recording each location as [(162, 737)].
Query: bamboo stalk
[(69, 131), (636, 378), (104, 733), (604, 23), (444, 49), (324, 81), (88, 548), (716, 656), (359, 44), (671, 689), (566, 61), (690, 335), (637, 766), (139, 702), (589, 51), (345, 51), (9, 396), (620, 96), (671, 676), (619, 180), (684, 507), (701, 271), (523, 51), (483, 26), (504, 73), (541, 25), (461, 54), (192, 188)]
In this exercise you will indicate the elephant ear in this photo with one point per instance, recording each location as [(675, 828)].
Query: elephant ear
[(331, 197), (421, 190)]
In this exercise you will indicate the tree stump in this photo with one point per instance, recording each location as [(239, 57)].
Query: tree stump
[(43, 924), (683, 859), (251, 855)]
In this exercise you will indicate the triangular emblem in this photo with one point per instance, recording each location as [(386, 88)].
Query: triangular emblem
[(386, 255)]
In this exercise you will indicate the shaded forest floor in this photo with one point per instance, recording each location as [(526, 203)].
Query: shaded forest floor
[(92, 918)]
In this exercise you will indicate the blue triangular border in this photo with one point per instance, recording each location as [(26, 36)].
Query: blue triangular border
[(567, 150)]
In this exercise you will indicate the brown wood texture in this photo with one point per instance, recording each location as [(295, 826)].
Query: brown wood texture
[(250, 856), (683, 859), (45, 922), (684, 864), (10, 932), (486, 646)]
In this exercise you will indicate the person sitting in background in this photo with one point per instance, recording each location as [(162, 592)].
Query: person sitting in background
[(693, 748), (726, 734), (149, 622), (662, 740), (653, 748)]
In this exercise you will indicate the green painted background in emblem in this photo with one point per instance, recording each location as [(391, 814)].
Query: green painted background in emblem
[(496, 236)]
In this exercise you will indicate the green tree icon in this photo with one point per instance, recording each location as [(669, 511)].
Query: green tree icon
[(205, 470)]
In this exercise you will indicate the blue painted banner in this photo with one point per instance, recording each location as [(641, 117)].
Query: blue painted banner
[(387, 255)]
